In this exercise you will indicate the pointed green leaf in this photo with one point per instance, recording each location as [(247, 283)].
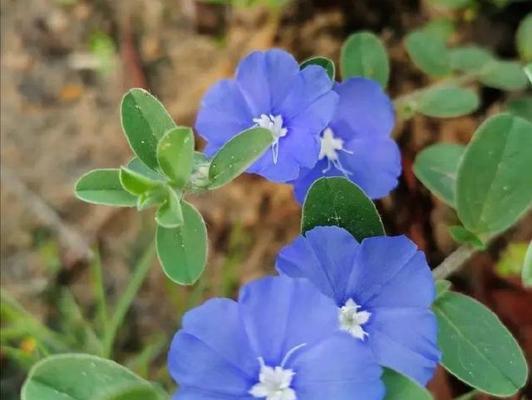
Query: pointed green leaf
[(399, 387), (523, 38), (504, 75), (182, 251), (170, 214), (363, 54), (493, 185), (237, 155), (174, 154), (323, 62), (477, 348), (138, 166), (102, 186), (469, 58), (80, 377), (337, 201), (526, 274), (136, 183), (446, 102), (428, 52), (462, 235), (144, 121), (436, 167)]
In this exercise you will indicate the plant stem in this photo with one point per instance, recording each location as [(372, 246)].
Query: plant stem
[(125, 301), (453, 262)]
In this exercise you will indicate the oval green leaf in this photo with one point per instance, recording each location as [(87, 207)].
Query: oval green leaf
[(469, 58), (446, 102), (175, 152), (428, 52), (363, 54), (102, 186), (477, 348), (523, 38), (399, 387), (79, 377), (138, 166), (462, 235), (170, 214), (182, 251), (494, 178), (136, 183), (237, 155), (139, 391), (324, 62), (436, 167), (144, 121), (504, 75), (339, 202)]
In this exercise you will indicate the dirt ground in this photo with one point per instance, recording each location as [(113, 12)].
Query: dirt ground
[(59, 118)]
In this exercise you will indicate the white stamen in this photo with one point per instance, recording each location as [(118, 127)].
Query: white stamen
[(274, 383), (275, 124), (351, 320), (330, 146)]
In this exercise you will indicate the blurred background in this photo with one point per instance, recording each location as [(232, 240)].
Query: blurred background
[(65, 65)]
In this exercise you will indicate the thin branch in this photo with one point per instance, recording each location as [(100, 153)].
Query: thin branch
[(453, 262)]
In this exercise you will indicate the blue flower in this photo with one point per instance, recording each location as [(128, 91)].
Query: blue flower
[(383, 289), (278, 342), (357, 143), (270, 91)]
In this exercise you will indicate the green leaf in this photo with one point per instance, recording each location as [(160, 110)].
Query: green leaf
[(182, 251), (504, 75), (442, 287), (512, 260), (144, 121), (399, 387), (493, 186), (523, 38), (138, 166), (452, 4), (174, 154), (462, 235), (139, 391), (237, 155), (323, 62), (436, 167), (152, 197), (446, 102), (363, 54), (527, 267), (521, 107), (102, 186), (477, 348), (528, 72), (170, 214), (80, 377), (428, 52), (337, 201), (136, 183), (469, 58), (442, 27)]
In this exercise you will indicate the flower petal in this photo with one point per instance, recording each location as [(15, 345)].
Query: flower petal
[(390, 272), (280, 314), (364, 110), (193, 363), (324, 256), (223, 113), (405, 340), (338, 368), (265, 77)]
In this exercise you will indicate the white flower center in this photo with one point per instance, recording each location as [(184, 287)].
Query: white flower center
[(351, 320), (274, 383), (330, 146), (275, 124)]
